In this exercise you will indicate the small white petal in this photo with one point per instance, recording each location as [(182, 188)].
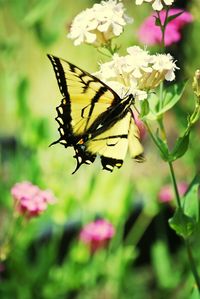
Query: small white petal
[(157, 5), (139, 2)]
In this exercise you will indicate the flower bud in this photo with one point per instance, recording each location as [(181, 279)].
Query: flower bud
[(196, 83), (97, 234)]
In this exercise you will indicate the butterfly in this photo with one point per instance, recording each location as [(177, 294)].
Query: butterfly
[(93, 119)]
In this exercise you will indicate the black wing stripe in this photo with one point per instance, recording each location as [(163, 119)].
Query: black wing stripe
[(60, 75), (94, 100), (111, 137)]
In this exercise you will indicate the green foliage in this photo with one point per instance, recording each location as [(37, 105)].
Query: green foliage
[(186, 219), (170, 96), (183, 224)]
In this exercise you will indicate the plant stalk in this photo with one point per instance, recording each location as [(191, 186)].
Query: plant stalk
[(192, 264), (175, 185)]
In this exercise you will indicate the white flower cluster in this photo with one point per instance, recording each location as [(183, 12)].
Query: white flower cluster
[(137, 72), (99, 24), (156, 4)]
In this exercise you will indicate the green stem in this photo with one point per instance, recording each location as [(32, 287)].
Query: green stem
[(187, 242), (175, 184), (152, 135), (162, 128), (163, 27), (161, 96), (192, 264), (160, 119)]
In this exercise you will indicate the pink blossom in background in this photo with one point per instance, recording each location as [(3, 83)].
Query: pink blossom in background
[(166, 193), (30, 200), (150, 34), (97, 234), (141, 126)]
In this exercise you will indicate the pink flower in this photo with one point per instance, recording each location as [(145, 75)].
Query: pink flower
[(141, 126), (97, 234), (166, 194), (30, 200), (150, 34)]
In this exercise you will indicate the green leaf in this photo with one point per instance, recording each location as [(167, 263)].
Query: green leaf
[(180, 147), (195, 293), (191, 199), (182, 224), (170, 18), (153, 100), (157, 21), (144, 108), (162, 265), (163, 148), (171, 96)]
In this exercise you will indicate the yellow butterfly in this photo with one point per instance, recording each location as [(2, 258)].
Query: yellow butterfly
[(93, 119)]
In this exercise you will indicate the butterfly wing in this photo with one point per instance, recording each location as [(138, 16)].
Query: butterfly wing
[(112, 144), (86, 97), (91, 118)]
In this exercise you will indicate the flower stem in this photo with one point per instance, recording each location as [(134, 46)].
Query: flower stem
[(192, 264), (175, 184), (163, 26), (187, 242)]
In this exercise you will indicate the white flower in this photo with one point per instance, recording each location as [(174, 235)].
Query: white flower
[(137, 61), (137, 72), (164, 64), (156, 4), (99, 24)]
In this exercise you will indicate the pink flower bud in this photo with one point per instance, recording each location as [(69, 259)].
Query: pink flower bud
[(166, 193), (97, 234)]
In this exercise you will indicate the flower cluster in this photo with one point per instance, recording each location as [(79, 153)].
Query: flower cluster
[(137, 72), (97, 234), (150, 34), (30, 200), (156, 4), (99, 24), (166, 193)]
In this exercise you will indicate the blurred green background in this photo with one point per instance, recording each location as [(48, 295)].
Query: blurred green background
[(45, 259)]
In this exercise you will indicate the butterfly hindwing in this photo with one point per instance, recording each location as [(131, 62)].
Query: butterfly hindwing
[(92, 118)]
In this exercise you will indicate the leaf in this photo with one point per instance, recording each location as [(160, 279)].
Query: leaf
[(144, 108), (163, 147), (182, 224), (162, 265), (191, 199), (171, 96), (172, 17), (153, 103), (157, 21), (195, 293), (180, 147)]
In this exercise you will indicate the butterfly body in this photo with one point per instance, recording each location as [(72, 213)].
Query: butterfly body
[(93, 119)]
